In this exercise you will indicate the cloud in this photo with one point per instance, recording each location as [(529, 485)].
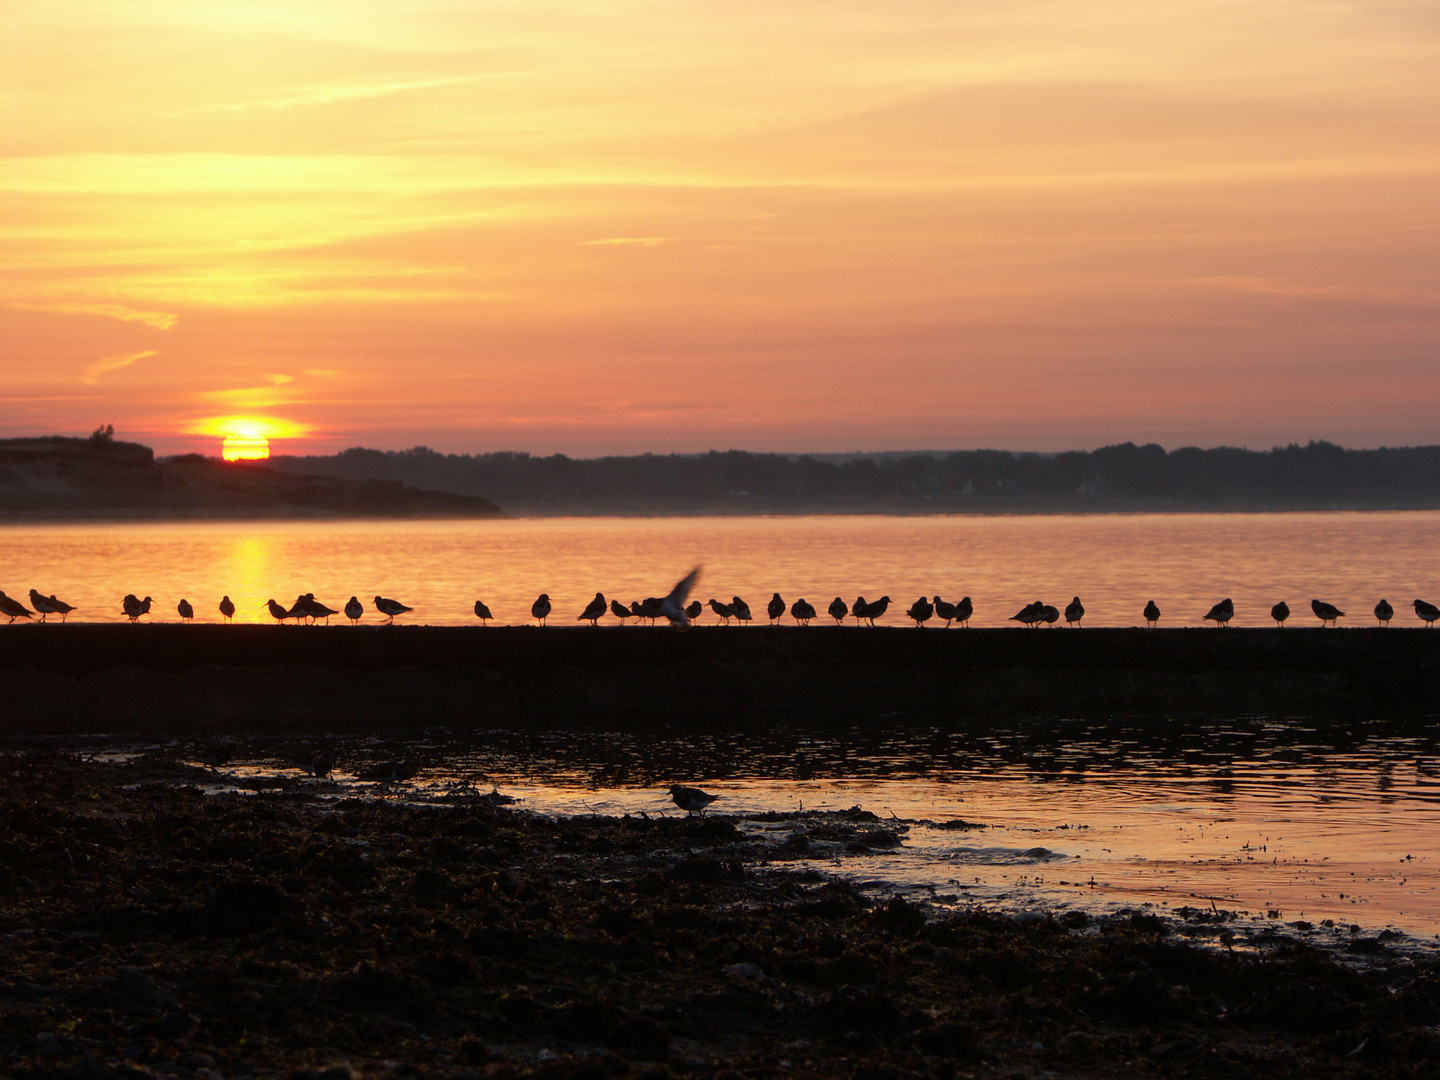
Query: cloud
[(280, 380), (160, 320), (635, 241), (107, 364)]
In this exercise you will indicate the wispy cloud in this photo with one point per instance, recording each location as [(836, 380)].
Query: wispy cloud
[(107, 364), (329, 95), (160, 320), (633, 241)]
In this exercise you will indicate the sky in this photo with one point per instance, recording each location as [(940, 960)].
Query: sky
[(621, 227)]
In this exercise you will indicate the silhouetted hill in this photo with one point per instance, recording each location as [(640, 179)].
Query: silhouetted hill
[(61, 478), (1124, 477)]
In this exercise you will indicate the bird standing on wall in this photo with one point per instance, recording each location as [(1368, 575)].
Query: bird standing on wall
[(60, 606), (1029, 615), (802, 611), (944, 610), (1074, 612), (482, 613), (741, 609), (693, 610), (227, 608), (1428, 612), (1280, 612), (13, 608), (593, 610), (725, 611), (1384, 612), (276, 611), (1326, 613), (134, 608), (1049, 614), (920, 611), (1152, 614), (876, 609), (619, 610), (838, 609), (390, 608), (41, 604), (186, 611), (540, 609), (963, 610), (776, 608), (354, 610), (1222, 612)]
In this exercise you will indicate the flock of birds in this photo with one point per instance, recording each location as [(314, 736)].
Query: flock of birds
[(675, 609)]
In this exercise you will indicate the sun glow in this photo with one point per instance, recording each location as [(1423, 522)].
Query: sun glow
[(248, 445)]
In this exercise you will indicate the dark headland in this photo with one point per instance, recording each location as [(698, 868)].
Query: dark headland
[(63, 479)]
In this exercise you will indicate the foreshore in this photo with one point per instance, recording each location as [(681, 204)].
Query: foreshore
[(169, 678)]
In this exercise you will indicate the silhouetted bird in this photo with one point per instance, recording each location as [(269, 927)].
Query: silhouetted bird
[(876, 609), (672, 607), (319, 610), (963, 610), (920, 611), (1280, 612), (354, 610), (1428, 612), (540, 609), (389, 772), (14, 608), (691, 799), (390, 608), (637, 610), (134, 608), (1326, 613), (619, 610), (802, 611), (1074, 611), (186, 611), (216, 757), (60, 606), (482, 612), (741, 609), (227, 608), (593, 610), (693, 610), (1222, 612), (944, 610), (322, 765), (276, 611), (41, 604), (1152, 614), (776, 608), (1029, 615), (1384, 612), (1049, 614), (860, 609), (838, 609), (725, 611)]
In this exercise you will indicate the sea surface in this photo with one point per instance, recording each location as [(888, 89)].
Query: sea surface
[(1286, 818)]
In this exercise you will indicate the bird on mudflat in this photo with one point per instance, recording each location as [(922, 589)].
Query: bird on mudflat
[(1280, 612), (876, 608), (1428, 612), (1074, 612), (320, 765), (802, 611), (14, 608), (619, 610), (944, 610), (593, 610), (672, 607), (1152, 614), (1222, 612), (921, 610), (389, 772), (963, 610), (1384, 612), (390, 608), (776, 608), (725, 611), (1326, 613), (41, 604), (838, 609), (1029, 615), (134, 608), (354, 610), (540, 609), (60, 606), (691, 799), (693, 610), (227, 608), (276, 611), (741, 609), (1049, 614), (482, 612), (186, 611)]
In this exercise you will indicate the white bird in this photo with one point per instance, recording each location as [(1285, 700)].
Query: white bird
[(390, 608), (673, 606)]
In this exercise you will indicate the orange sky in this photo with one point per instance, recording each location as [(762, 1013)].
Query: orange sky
[(615, 227)]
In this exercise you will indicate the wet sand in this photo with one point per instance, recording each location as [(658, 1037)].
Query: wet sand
[(150, 930), (214, 679)]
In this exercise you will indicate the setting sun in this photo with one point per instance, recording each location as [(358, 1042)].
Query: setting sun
[(245, 446)]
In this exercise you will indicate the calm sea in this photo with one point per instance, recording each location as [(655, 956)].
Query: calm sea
[(1114, 563)]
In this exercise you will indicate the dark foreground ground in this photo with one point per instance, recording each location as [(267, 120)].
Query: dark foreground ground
[(147, 929), (147, 679)]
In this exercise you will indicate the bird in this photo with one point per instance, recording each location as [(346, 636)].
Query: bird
[(389, 772), (14, 608), (920, 611), (390, 608), (322, 764), (1049, 614), (693, 610), (593, 610), (1222, 612), (860, 609), (802, 611), (482, 612), (672, 607), (1384, 612), (134, 608), (186, 611), (1326, 613), (838, 610), (354, 610), (775, 609), (619, 610), (279, 613), (1152, 614), (41, 604), (964, 610), (1280, 612), (874, 610), (227, 608), (541, 607), (1074, 612), (319, 610), (725, 611), (691, 799), (60, 606), (1428, 612), (219, 756), (741, 609), (944, 610), (1029, 615)]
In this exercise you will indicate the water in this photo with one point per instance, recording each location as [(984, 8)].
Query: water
[(1310, 822), (1115, 563)]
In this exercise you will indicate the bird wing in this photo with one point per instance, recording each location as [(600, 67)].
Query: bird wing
[(673, 606)]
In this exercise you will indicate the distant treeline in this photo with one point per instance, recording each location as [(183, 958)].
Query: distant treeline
[(1319, 475)]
